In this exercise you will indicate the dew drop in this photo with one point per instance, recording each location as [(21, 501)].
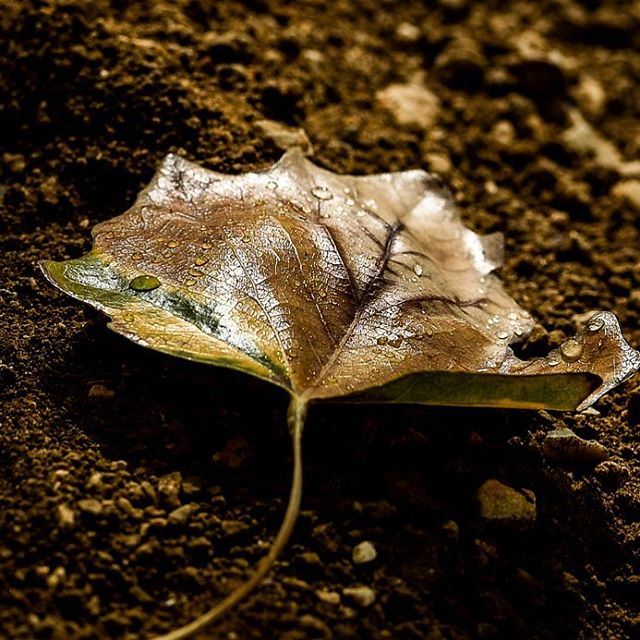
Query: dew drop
[(571, 350), (429, 331), (195, 273), (173, 244), (350, 201), (322, 193), (206, 245), (144, 283), (417, 269), (199, 261), (512, 315), (553, 359), (503, 335), (595, 325), (271, 185)]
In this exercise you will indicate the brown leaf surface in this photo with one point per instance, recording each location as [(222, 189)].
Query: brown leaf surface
[(330, 286)]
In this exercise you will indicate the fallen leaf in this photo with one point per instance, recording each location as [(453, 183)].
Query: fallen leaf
[(336, 288)]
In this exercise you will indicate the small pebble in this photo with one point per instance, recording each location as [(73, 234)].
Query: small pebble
[(330, 597), (438, 163), (563, 445), (180, 515), (364, 552), (56, 577), (629, 192), (169, 487), (284, 137), (66, 517), (95, 481), (233, 527), (90, 505), (407, 32), (499, 503), (362, 596), (412, 105), (101, 392), (311, 559)]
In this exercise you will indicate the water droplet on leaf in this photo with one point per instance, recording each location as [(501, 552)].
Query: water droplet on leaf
[(553, 359), (571, 350), (144, 283), (322, 193)]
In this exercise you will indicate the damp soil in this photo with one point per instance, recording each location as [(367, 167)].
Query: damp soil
[(136, 489)]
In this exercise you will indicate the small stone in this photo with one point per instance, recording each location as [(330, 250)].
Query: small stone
[(503, 133), (412, 105), (364, 552), (318, 628), (56, 577), (169, 487), (311, 559), (149, 490), (66, 517), (124, 505), (180, 515), (502, 504), (283, 136), (563, 445), (101, 392), (361, 596), (407, 33), (95, 481), (50, 190), (91, 506), (629, 192), (330, 597), (234, 527), (590, 95), (14, 161), (438, 163)]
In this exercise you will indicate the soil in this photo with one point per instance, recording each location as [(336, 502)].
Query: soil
[(101, 441)]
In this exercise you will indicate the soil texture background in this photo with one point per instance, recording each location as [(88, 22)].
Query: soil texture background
[(136, 489)]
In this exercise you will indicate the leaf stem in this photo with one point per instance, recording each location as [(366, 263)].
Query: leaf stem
[(295, 420)]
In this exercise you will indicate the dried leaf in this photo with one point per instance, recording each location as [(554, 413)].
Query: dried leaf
[(363, 289), (330, 286)]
